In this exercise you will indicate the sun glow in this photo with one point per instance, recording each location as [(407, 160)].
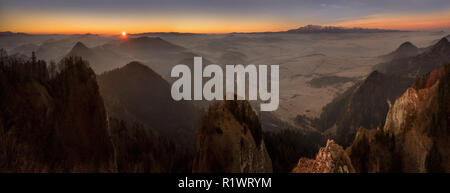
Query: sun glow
[(124, 34)]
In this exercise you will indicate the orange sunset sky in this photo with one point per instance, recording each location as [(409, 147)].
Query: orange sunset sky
[(135, 16)]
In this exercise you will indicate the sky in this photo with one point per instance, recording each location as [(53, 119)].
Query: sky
[(217, 16)]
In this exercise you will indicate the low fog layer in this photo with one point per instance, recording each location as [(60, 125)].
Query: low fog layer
[(314, 68)]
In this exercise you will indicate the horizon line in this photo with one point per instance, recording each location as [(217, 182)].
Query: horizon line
[(218, 33)]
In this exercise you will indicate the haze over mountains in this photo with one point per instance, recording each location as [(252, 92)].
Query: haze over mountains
[(415, 135), (331, 84), (230, 140), (305, 58), (335, 29), (411, 67), (405, 50), (366, 104), (52, 122), (100, 58), (136, 93)]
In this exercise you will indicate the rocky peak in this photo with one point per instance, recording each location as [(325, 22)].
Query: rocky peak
[(415, 99), (330, 159), (79, 49), (54, 125), (415, 135), (229, 140), (244, 114), (138, 69)]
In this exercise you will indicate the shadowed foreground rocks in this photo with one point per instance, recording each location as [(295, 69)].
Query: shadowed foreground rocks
[(53, 119), (366, 104), (330, 159), (230, 141), (415, 137), (52, 122)]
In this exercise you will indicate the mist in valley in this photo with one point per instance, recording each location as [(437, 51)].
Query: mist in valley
[(319, 72), (314, 68)]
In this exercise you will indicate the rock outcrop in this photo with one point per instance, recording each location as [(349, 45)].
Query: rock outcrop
[(363, 105), (54, 120), (419, 124), (366, 104), (230, 141), (52, 123), (371, 152), (415, 137), (330, 159)]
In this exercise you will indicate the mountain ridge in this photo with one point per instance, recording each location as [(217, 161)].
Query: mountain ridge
[(415, 135), (336, 29), (367, 103)]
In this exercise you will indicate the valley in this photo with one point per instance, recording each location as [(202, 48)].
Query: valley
[(331, 86)]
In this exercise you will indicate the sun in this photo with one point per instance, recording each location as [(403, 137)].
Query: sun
[(124, 34)]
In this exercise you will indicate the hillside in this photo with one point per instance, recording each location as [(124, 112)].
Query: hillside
[(366, 104), (421, 64), (406, 49), (230, 140), (99, 58), (135, 93), (415, 136), (52, 122), (330, 159)]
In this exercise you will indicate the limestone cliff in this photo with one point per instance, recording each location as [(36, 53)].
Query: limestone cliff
[(415, 137), (418, 122), (230, 141), (330, 159), (366, 104)]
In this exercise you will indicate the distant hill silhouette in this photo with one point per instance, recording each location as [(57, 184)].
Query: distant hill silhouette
[(414, 137), (421, 64), (364, 104), (335, 29), (230, 140), (100, 59), (25, 49), (136, 93), (57, 48), (406, 49), (8, 33), (143, 47), (53, 119)]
